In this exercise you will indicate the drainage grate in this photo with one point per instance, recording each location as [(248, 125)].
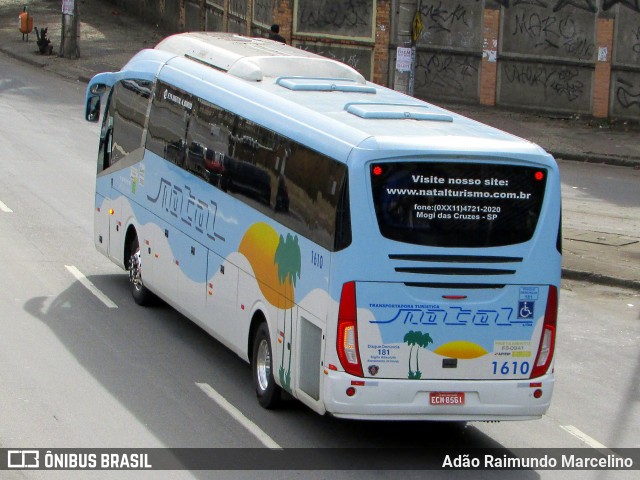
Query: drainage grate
[(602, 238)]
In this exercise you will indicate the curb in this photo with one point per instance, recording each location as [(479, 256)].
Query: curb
[(606, 160), (599, 279), (22, 58)]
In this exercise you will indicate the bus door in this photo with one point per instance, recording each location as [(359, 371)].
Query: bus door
[(103, 203)]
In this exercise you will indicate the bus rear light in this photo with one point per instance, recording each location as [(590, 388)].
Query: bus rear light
[(351, 392), (548, 338), (545, 347), (537, 393), (347, 343)]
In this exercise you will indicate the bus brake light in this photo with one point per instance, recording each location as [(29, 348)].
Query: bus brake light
[(347, 344), (548, 338)]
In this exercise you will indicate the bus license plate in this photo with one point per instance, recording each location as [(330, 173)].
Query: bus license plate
[(446, 398)]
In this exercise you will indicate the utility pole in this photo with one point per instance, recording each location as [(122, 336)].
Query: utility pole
[(406, 57), (69, 43)]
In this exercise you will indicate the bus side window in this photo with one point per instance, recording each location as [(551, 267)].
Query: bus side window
[(303, 189), (124, 121), (316, 185), (168, 121), (343, 218), (201, 158)]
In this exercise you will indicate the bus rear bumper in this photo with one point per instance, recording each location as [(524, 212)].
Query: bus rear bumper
[(484, 400)]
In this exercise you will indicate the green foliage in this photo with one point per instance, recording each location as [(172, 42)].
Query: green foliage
[(421, 340)]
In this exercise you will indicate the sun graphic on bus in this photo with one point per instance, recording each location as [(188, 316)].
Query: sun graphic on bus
[(460, 349), (260, 245), (276, 263)]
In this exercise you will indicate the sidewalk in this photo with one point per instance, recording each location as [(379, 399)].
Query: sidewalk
[(109, 37)]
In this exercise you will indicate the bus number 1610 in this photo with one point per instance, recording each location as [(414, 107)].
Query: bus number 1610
[(317, 259), (510, 368)]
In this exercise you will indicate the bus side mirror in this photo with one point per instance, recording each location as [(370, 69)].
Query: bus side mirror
[(92, 113)]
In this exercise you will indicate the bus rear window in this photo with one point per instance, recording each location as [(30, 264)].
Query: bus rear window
[(457, 204)]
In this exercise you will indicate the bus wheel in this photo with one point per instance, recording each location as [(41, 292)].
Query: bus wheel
[(269, 394), (141, 294)]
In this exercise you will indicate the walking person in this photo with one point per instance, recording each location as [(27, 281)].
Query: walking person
[(275, 34)]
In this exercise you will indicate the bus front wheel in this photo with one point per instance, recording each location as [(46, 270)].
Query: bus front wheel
[(268, 393), (141, 294)]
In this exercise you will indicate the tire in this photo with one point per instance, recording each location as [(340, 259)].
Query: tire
[(269, 394), (141, 294)]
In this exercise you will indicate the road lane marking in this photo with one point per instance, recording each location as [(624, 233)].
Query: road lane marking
[(90, 286), (4, 207), (591, 442), (580, 435), (255, 430)]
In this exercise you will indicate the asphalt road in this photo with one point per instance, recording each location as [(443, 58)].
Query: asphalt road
[(604, 196), (88, 368)]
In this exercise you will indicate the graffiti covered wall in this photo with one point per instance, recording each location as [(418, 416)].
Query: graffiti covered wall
[(448, 53), (340, 29), (625, 75), (550, 54), (566, 56), (546, 55)]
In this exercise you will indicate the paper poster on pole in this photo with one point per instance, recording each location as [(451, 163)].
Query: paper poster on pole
[(67, 7), (403, 59)]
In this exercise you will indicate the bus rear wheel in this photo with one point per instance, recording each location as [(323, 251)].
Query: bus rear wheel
[(141, 294), (268, 393)]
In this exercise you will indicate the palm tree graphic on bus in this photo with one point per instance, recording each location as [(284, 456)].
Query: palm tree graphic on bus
[(420, 340), (288, 260)]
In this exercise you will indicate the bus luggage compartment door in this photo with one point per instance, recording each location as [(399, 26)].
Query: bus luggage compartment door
[(101, 225)]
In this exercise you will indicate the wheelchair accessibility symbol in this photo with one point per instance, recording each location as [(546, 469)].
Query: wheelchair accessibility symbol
[(525, 309)]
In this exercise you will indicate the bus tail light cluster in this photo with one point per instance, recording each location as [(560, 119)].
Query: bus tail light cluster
[(347, 344), (548, 339)]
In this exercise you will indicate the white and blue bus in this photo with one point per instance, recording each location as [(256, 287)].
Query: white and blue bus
[(373, 255)]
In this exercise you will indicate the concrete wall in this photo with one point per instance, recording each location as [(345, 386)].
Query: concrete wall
[(449, 50), (565, 56), (547, 56), (625, 64)]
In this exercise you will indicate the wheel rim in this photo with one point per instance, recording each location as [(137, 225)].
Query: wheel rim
[(135, 272), (263, 365)]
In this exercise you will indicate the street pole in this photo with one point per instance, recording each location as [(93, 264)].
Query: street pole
[(69, 44), (406, 57), (416, 33)]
